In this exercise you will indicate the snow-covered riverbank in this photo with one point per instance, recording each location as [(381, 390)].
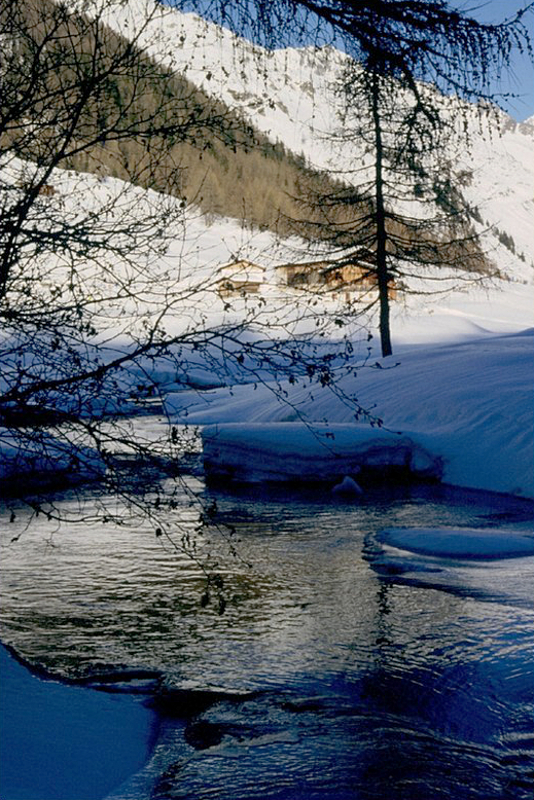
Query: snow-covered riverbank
[(456, 394), (465, 399), (61, 742)]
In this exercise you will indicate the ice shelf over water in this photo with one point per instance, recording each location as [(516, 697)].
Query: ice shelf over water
[(460, 543), (291, 451)]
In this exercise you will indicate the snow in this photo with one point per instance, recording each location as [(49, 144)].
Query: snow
[(491, 563), (60, 742), (460, 543), (467, 403), (287, 451), (347, 488), (40, 459), (462, 389)]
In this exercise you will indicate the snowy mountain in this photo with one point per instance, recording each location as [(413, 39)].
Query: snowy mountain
[(290, 95)]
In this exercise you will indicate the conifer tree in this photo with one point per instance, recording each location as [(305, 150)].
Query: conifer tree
[(397, 44)]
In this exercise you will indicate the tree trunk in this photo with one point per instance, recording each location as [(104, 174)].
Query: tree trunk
[(380, 221)]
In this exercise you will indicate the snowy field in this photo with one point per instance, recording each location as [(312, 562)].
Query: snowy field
[(459, 385)]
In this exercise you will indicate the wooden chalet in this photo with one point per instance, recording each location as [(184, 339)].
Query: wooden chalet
[(239, 278), (300, 276), (354, 274), (46, 190)]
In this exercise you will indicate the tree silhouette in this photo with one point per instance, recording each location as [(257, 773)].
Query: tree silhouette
[(92, 298), (396, 45), (101, 307)]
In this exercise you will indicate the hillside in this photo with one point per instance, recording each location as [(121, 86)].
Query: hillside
[(289, 96), (220, 162), (259, 130)]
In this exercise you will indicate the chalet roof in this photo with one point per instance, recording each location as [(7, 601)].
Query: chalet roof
[(354, 259), (304, 265), (242, 263)]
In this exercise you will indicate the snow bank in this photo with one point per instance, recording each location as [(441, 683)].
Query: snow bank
[(62, 742), (494, 564), (292, 451), (467, 404), (41, 459), (460, 543)]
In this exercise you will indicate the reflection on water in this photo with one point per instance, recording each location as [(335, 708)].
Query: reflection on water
[(365, 684)]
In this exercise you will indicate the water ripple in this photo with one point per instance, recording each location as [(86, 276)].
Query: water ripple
[(400, 685)]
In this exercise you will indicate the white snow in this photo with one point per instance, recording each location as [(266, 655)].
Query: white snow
[(347, 488), (468, 403), (496, 564), (456, 402), (460, 543), (462, 391)]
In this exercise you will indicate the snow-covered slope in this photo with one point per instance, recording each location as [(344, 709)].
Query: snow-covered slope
[(463, 388), (462, 391), (290, 95)]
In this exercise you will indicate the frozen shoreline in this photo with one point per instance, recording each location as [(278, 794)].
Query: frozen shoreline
[(65, 742), (463, 410)]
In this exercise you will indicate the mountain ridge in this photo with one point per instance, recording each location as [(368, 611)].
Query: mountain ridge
[(287, 95)]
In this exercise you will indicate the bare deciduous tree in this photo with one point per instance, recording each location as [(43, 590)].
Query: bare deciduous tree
[(103, 303)]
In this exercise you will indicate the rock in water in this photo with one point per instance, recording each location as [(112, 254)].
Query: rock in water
[(347, 488)]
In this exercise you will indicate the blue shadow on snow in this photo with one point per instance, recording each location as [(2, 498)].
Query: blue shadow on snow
[(63, 742)]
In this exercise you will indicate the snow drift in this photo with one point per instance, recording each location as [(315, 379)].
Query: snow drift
[(467, 406)]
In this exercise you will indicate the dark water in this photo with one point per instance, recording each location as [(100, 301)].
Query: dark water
[(330, 674)]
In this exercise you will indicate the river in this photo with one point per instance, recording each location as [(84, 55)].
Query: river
[(329, 675)]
